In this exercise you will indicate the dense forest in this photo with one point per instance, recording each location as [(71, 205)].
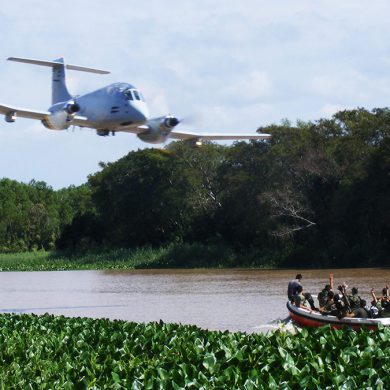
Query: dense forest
[(317, 192)]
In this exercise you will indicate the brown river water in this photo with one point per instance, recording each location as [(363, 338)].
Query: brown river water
[(249, 300)]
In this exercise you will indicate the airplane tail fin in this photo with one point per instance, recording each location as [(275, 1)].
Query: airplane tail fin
[(60, 92)]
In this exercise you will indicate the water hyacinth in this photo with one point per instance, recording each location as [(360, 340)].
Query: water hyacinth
[(48, 352)]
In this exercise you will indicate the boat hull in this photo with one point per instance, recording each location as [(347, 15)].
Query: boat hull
[(312, 319)]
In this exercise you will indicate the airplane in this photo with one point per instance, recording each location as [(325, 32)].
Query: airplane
[(118, 107)]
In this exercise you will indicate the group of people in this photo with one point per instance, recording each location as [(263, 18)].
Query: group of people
[(340, 303)]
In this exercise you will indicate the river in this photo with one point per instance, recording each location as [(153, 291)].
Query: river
[(249, 300)]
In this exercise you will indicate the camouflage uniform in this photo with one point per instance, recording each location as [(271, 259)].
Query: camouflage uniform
[(299, 300), (385, 306), (322, 297), (354, 301)]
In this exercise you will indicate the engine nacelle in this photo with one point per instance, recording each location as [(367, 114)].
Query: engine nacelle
[(61, 115), (72, 107), (194, 143), (57, 121), (158, 129), (10, 116)]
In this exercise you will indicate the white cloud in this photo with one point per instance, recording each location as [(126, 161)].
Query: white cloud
[(329, 109), (156, 98), (343, 84), (245, 119), (349, 87), (254, 85)]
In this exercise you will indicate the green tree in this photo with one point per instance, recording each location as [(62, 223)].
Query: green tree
[(242, 218), (141, 198), (199, 168)]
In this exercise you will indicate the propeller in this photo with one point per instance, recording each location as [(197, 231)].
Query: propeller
[(192, 120), (72, 107), (171, 121)]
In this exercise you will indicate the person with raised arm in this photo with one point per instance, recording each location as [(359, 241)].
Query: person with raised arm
[(323, 294)]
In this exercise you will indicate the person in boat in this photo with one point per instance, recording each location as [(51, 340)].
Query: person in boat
[(354, 299), (361, 311), (381, 304), (376, 307), (293, 286), (323, 294), (329, 305), (343, 295), (374, 312), (385, 300), (310, 301), (299, 299), (341, 302), (340, 308), (304, 300), (335, 306)]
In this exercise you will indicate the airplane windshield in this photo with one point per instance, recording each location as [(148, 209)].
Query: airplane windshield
[(129, 95), (133, 94), (136, 94)]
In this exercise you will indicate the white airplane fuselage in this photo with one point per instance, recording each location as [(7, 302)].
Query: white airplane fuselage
[(111, 108), (116, 107), (116, 103)]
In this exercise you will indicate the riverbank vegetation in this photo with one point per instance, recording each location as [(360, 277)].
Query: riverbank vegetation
[(58, 352), (170, 256), (316, 194)]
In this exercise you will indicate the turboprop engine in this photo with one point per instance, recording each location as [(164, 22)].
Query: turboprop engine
[(61, 115), (158, 129)]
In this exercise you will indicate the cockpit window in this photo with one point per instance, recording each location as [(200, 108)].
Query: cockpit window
[(129, 95), (136, 94), (133, 94)]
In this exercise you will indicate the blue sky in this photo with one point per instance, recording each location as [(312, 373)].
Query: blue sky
[(236, 65)]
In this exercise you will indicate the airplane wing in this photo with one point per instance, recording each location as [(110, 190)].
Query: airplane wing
[(133, 129), (187, 136), (23, 112), (82, 121), (15, 112)]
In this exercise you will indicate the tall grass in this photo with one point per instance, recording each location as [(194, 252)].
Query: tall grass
[(171, 256)]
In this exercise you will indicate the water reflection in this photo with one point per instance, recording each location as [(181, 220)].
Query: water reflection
[(246, 300)]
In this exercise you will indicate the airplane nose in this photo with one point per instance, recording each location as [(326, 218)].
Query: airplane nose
[(142, 114)]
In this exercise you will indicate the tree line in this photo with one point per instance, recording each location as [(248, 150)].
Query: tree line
[(316, 193)]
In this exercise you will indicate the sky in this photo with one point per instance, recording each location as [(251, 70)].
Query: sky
[(233, 65)]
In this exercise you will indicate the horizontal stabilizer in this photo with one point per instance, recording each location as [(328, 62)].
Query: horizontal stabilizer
[(53, 64)]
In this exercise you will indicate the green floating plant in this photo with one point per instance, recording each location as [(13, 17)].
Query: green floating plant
[(46, 352)]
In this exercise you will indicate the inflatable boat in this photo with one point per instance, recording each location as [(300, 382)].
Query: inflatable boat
[(314, 319)]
